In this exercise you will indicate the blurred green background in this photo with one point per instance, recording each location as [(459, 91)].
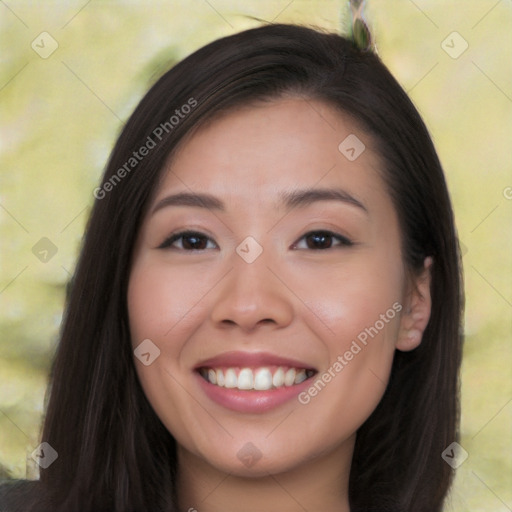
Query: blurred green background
[(61, 113)]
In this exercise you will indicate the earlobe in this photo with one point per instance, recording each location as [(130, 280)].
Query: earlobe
[(417, 311)]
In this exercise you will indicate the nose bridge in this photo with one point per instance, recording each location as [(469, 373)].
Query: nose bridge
[(251, 293), (251, 266)]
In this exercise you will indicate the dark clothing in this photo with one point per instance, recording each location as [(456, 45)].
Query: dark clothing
[(15, 495)]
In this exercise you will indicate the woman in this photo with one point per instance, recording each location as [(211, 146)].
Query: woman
[(266, 310)]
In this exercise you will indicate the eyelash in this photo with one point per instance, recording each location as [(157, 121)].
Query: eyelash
[(167, 243)]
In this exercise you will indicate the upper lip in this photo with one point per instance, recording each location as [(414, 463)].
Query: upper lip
[(251, 359)]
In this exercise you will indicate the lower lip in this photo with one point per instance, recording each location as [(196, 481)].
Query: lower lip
[(251, 401)]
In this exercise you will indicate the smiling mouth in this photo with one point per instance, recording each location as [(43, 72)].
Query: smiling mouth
[(263, 378)]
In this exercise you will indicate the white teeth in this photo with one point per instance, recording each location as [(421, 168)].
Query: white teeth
[(230, 379), (245, 380), (278, 378), (212, 376), (289, 377), (263, 379), (260, 379), (300, 377)]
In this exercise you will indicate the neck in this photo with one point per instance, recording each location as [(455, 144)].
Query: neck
[(318, 484)]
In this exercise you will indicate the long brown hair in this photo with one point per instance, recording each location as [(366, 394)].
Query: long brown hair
[(114, 453)]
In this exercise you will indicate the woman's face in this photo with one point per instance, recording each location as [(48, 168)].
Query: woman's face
[(291, 270)]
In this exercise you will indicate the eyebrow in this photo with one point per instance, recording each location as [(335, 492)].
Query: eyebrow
[(292, 199), (302, 198)]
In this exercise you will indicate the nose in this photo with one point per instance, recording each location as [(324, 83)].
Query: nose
[(250, 296)]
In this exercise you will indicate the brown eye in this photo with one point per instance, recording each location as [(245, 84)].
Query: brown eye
[(321, 240), (190, 241)]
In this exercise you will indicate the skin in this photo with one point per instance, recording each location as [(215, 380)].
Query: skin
[(293, 300)]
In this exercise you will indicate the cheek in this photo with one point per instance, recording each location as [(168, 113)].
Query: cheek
[(354, 296), (166, 305), (163, 309), (161, 303), (361, 306)]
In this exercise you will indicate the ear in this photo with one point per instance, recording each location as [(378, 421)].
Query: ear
[(417, 309)]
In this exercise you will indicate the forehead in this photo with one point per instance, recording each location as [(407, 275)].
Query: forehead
[(254, 152)]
